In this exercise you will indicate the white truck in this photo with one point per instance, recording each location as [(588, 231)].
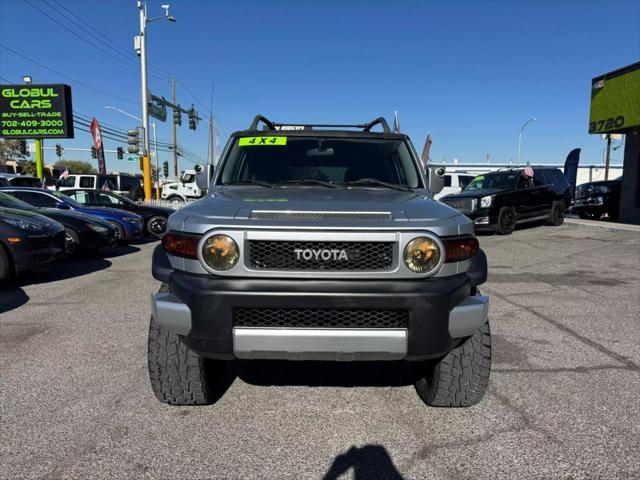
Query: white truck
[(183, 190)]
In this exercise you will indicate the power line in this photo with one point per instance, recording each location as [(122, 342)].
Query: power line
[(79, 82), (107, 38)]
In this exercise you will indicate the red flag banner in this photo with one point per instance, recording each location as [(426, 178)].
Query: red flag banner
[(96, 133)]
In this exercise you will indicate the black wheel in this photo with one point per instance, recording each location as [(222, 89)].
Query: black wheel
[(120, 235), (6, 267), (71, 242), (460, 378), (156, 226), (176, 200), (556, 215), (178, 375), (506, 221)]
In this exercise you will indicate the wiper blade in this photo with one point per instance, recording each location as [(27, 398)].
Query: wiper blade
[(375, 181), (251, 182), (312, 180)]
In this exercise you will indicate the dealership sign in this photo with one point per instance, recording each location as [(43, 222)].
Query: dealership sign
[(36, 111)]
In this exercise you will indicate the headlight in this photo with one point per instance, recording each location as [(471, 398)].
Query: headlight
[(97, 228), (485, 202), (131, 220), (422, 254), (23, 224), (602, 189), (220, 252)]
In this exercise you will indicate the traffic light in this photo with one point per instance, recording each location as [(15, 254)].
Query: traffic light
[(165, 169), (120, 153), (24, 148), (132, 140), (94, 152), (192, 119), (177, 116), (58, 150)]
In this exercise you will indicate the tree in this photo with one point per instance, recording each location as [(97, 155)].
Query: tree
[(28, 167), (76, 166), (10, 150)]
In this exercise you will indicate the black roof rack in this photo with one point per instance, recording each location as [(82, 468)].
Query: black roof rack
[(269, 125)]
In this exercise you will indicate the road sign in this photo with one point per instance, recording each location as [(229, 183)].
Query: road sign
[(133, 158), (36, 111)]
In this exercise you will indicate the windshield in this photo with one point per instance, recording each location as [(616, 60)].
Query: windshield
[(501, 180), (67, 199), (287, 160), (8, 201)]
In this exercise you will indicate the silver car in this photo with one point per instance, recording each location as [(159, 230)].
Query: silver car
[(319, 243)]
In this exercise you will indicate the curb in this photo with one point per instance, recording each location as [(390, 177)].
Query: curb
[(608, 226)]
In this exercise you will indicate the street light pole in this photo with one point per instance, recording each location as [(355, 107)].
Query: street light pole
[(520, 135), (141, 47)]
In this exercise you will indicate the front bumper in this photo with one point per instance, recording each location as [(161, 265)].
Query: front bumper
[(91, 240), (439, 310), (133, 231), (36, 250)]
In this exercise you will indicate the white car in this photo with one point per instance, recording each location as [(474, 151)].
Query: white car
[(454, 182)]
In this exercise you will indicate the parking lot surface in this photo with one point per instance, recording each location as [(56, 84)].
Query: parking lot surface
[(563, 400)]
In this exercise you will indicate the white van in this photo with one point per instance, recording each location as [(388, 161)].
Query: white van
[(122, 183), (454, 182)]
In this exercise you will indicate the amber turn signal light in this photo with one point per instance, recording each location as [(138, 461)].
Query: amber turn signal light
[(460, 248), (182, 245)]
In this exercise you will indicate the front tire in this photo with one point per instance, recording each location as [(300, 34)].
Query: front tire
[(461, 377), (156, 226), (176, 200), (178, 375), (506, 221), (121, 238), (556, 215), (71, 242)]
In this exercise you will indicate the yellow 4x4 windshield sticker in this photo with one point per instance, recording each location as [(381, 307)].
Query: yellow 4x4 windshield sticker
[(255, 141)]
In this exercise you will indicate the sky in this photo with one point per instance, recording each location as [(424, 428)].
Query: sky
[(469, 73)]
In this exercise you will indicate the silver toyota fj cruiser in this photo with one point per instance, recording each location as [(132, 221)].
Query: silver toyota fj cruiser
[(319, 242)]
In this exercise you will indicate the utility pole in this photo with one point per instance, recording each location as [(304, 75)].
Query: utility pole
[(141, 49), (175, 132), (211, 144), (608, 158)]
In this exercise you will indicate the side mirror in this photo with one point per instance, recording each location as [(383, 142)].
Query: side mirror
[(62, 206), (436, 179), (204, 174)]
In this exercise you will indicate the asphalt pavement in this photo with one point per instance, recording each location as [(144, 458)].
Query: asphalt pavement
[(563, 401)]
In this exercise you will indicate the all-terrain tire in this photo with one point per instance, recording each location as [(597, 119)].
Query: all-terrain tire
[(178, 375), (506, 221), (460, 378), (556, 215)]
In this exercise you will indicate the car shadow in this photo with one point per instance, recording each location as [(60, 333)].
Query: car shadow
[(333, 374), (11, 297), (118, 251), (62, 270), (369, 462)]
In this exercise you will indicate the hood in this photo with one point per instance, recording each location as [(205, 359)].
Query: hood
[(607, 183), (58, 214), (475, 193), (31, 217), (235, 204), (109, 211)]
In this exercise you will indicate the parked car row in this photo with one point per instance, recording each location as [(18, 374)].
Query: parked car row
[(38, 226)]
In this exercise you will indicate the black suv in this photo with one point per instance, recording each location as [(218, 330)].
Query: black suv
[(594, 199), (497, 201)]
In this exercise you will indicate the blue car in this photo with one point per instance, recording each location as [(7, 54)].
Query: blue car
[(128, 225)]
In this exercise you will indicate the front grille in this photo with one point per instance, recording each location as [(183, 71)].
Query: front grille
[(463, 205), (305, 255), (40, 242), (285, 215), (319, 318)]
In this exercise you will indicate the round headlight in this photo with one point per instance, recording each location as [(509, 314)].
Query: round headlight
[(220, 252), (422, 254)]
